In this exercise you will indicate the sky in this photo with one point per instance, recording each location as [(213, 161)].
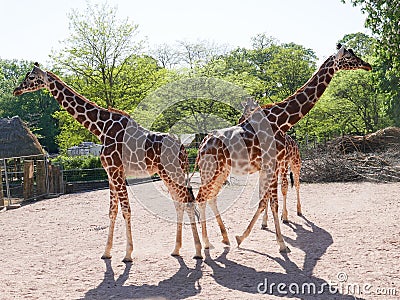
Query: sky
[(30, 30)]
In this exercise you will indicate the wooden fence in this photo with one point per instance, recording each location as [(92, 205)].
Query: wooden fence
[(28, 178)]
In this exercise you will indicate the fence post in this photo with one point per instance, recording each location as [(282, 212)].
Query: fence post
[(28, 179), (52, 189), (1, 188), (41, 178), (55, 179), (59, 180), (7, 183)]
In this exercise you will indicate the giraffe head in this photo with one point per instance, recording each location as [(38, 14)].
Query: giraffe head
[(248, 107), (347, 60), (34, 80)]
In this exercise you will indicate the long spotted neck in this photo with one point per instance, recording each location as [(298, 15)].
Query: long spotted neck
[(291, 110), (89, 114)]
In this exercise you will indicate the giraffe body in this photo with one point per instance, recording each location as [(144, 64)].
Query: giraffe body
[(291, 159), (258, 143), (128, 149)]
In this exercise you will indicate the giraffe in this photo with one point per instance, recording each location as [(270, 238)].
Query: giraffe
[(258, 144), (292, 159), (128, 149)]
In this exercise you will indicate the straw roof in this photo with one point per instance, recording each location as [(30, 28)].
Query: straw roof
[(17, 140)]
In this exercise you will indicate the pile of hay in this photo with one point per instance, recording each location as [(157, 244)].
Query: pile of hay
[(381, 140)]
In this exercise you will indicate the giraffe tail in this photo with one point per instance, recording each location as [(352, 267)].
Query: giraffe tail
[(291, 179), (193, 202), (194, 171)]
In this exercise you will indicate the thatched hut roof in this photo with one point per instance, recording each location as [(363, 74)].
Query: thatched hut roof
[(17, 140)]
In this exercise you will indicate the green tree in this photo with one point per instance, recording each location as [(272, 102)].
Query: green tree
[(100, 60), (271, 72), (383, 18), (98, 50), (353, 103)]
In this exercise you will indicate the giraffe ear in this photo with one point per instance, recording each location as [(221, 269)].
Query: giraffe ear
[(340, 52)]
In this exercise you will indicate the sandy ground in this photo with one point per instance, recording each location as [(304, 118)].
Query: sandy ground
[(347, 244)]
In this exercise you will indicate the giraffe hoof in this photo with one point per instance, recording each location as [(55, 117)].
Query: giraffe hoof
[(175, 254), (285, 250), (299, 214), (197, 256), (239, 240), (285, 221), (226, 242), (127, 260), (264, 227), (209, 246), (106, 256)]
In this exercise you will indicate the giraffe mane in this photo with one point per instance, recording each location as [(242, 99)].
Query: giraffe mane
[(268, 105), (124, 113)]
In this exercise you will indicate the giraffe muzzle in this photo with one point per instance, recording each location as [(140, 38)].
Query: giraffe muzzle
[(366, 66), (17, 91)]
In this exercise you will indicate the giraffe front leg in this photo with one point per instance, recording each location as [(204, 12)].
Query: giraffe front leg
[(297, 185), (113, 211), (263, 183), (179, 207), (284, 188), (240, 238), (126, 213), (264, 224)]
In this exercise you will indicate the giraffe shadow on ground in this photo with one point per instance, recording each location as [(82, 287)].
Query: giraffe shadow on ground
[(183, 284), (297, 282)]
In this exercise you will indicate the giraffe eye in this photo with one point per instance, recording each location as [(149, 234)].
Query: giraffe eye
[(31, 77)]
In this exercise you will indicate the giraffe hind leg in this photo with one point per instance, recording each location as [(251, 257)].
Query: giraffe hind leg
[(191, 213), (208, 193), (204, 236), (214, 208), (182, 203)]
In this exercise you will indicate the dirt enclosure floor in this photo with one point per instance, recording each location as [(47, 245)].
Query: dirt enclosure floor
[(347, 246)]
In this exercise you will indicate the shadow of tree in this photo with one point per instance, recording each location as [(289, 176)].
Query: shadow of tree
[(183, 284)]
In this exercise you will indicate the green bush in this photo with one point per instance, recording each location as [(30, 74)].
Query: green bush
[(77, 162), (192, 153)]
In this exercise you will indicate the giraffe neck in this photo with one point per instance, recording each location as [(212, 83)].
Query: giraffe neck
[(89, 114), (291, 110)]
